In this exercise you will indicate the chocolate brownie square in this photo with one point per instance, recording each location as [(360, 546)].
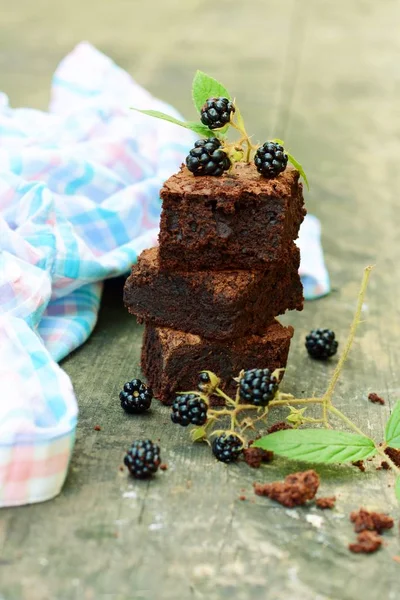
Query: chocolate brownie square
[(172, 360), (238, 221), (214, 304)]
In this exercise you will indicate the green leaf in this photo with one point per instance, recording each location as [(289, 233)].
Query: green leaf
[(193, 126), (205, 87), (397, 489), (278, 141), (318, 445), (392, 430), (298, 166)]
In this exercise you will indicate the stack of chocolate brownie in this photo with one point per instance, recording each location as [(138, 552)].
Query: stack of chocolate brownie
[(225, 267)]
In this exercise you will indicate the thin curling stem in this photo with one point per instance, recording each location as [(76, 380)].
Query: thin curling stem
[(350, 338)]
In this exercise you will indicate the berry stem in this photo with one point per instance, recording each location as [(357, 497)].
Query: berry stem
[(349, 423), (296, 401), (222, 394), (245, 138), (350, 338)]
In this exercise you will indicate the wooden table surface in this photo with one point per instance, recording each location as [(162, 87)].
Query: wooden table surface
[(325, 77)]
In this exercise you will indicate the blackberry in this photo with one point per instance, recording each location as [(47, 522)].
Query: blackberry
[(270, 159), (207, 158), (227, 448), (189, 409), (136, 397), (204, 382), (216, 112), (258, 386), (321, 344), (208, 382), (143, 459)]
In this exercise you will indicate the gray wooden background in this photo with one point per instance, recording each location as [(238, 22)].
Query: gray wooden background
[(325, 77)]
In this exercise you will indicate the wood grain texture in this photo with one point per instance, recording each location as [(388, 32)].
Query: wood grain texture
[(327, 79)]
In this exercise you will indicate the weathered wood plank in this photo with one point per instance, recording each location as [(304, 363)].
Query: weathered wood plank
[(186, 534)]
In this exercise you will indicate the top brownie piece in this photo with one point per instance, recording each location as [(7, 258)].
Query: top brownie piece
[(240, 220)]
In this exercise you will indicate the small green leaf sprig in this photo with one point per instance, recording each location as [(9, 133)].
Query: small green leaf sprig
[(315, 445), (205, 87)]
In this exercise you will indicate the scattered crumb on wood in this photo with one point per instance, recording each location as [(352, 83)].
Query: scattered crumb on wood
[(375, 399), (242, 498), (394, 455), (121, 468), (97, 428), (280, 426), (359, 464), (295, 490), (326, 502), (255, 456), (396, 558), (367, 542), (163, 466), (384, 465), (371, 521)]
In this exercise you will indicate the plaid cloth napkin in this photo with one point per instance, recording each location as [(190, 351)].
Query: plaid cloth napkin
[(79, 200)]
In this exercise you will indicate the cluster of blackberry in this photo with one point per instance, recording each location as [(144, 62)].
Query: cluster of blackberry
[(256, 386), (208, 158)]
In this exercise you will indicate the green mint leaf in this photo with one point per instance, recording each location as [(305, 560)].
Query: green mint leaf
[(278, 141), (397, 489), (392, 430), (205, 87), (298, 166), (193, 126), (318, 445), (200, 129)]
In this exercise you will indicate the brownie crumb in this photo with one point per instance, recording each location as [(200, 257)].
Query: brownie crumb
[(371, 521), (375, 399), (255, 456), (280, 426), (163, 466), (359, 464), (327, 502), (396, 558), (394, 455), (121, 468), (295, 490), (384, 465), (242, 498), (97, 428), (367, 542)]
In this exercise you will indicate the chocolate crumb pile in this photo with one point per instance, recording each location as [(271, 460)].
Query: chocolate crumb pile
[(295, 490), (255, 456), (367, 542), (280, 426), (369, 525), (327, 502), (375, 399)]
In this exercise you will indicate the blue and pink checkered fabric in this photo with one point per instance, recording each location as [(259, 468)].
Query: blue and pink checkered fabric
[(79, 200)]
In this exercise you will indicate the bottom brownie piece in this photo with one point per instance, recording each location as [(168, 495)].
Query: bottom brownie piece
[(172, 360)]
